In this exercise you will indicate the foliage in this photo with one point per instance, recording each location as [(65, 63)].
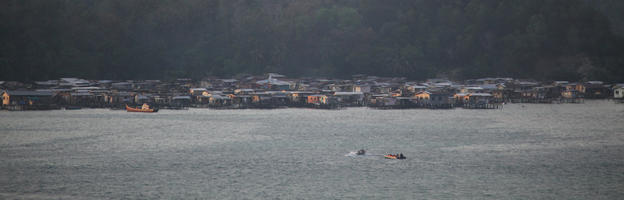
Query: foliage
[(144, 39)]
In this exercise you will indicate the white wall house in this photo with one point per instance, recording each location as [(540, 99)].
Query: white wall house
[(618, 93)]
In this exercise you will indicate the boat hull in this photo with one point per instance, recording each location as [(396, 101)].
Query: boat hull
[(130, 109), (393, 157), (390, 157)]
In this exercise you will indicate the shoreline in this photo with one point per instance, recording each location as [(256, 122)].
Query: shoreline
[(500, 107)]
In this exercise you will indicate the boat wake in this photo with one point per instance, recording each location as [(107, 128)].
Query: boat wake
[(351, 154), (354, 154)]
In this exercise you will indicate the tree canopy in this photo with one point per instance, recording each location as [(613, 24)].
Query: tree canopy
[(146, 39)]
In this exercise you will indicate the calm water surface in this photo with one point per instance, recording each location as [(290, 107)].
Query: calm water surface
[(523, 151)]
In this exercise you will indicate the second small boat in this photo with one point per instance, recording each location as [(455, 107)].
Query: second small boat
[(395, 156)]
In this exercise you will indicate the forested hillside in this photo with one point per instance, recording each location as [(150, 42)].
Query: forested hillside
[(147, 39)]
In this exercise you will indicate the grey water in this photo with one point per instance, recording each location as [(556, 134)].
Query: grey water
[(522, 151)]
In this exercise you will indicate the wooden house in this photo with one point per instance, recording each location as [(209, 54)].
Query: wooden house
[(422, 95), (499, 95), (440, 100), (350, 98), (472, 89), (381, 88), (579, 88), (183, 101), (197, 95), (27, 99), (480, 98), (618, 91), (362, 88), (260, 98), (553, 91), (244, 91), (387, 101), (414, 88), (143, 98), (122, 86), (82, 99), (197, 91), (119, 98), (241, 99), (219, 100), (570, 94), (148, 85), (300, 97), (473, 98), (341, 88), (317, 99), (534, 93), (279, 98), (460, 98), (161, 99), (596, 90)]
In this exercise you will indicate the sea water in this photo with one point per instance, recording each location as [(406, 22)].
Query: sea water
[(522, 151)]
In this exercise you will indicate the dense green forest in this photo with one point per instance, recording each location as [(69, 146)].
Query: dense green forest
[(418, 39)]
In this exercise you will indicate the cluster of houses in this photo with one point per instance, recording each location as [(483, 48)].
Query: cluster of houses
[(276, 91)]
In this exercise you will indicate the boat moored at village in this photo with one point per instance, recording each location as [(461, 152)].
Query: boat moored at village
[(143, 108)]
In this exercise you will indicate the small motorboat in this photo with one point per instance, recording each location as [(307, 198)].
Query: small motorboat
[(360, 152), (395, 156), (144, 108)]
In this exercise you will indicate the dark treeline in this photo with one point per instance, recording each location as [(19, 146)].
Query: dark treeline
[(147, 39)]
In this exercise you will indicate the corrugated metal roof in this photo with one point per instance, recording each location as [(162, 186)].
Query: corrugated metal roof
[(181, 98), (481, 94), (218, 97), (30, 93), (272, 82), (347, 93), (595, 82), (229, 80), (80, 94), (142, 97)]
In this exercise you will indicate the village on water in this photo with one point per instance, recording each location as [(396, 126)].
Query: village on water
[(278, 91)]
